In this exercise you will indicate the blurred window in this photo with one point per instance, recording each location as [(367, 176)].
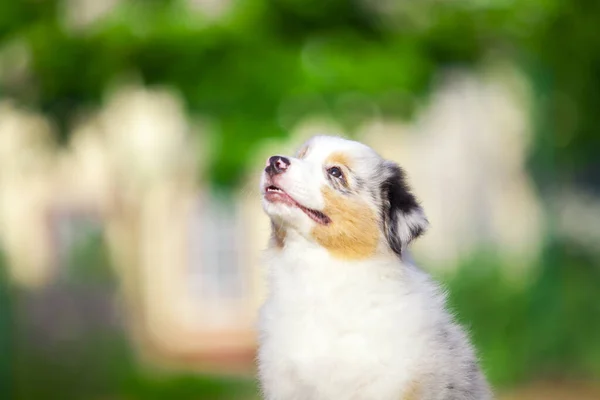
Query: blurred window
[(215, 262)]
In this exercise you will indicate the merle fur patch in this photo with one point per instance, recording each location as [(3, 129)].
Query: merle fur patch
[(403, 218)]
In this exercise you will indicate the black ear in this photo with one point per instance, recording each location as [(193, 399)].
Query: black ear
[(403, 218)]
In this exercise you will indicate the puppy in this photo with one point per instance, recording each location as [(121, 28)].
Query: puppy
[(347, 317)]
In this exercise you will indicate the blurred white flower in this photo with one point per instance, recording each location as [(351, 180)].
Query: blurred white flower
[(82, 14)]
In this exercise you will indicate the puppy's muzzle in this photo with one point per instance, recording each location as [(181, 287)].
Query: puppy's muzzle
[(277, 165)]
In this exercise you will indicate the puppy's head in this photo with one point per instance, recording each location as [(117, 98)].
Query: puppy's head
[(343, 196)]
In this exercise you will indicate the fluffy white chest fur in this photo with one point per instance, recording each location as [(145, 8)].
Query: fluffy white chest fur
[(346, 318), (372, 330)]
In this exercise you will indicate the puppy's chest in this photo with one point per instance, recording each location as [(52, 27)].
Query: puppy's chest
[(338, 332)]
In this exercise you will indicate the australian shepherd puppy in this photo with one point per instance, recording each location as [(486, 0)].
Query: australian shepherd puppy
[(347, 317)]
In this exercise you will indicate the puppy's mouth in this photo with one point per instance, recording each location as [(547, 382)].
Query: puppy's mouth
[(275, 194)]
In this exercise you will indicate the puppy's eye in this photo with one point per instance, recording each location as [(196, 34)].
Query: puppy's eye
[(336, 172)]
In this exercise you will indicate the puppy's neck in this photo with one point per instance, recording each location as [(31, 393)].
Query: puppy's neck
[(300, 264), (288, 242), (285, 238)]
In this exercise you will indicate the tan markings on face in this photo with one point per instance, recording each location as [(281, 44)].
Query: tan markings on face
[(278, 234), (353, 232), (339, 158), (302, 152), (413, 391)]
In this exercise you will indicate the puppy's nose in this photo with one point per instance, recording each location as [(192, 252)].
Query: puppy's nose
[(277, 165)]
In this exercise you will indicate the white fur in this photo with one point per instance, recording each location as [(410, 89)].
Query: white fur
[(373, 329), (414, 219)]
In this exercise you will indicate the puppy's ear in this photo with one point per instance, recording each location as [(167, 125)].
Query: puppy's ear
[(403, 218)]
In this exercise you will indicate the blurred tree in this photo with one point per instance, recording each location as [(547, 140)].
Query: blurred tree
[(238, 70)]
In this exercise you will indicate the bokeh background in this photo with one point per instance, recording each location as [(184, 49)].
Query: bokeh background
[(133, 132)]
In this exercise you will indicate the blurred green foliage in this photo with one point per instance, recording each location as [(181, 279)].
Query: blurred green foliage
[(106, 369), (6, 329), (88, 261), (545, 327), (239, 70)]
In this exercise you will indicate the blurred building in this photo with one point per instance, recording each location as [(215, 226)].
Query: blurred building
[(131, 171)]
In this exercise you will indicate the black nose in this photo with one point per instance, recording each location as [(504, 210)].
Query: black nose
[(277, 165)]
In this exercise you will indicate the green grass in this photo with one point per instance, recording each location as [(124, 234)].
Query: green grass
[(106, 370)]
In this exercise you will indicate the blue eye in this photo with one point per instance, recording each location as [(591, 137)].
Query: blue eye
[(335, 172)]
